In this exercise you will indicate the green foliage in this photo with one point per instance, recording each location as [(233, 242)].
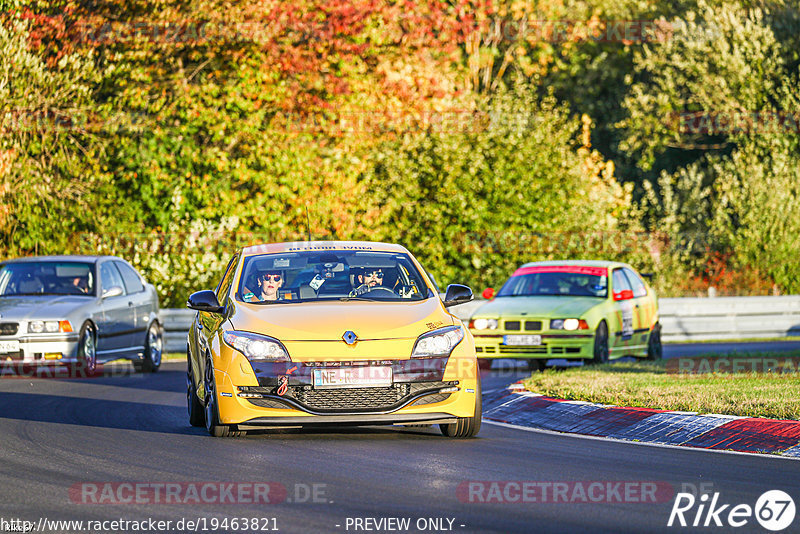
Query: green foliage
[(240, 126), (758, 211), (474, 204), (739, 199), (720, 60), (47, 163)]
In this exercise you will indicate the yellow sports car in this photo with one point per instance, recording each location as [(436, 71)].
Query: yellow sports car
[(321, 333)]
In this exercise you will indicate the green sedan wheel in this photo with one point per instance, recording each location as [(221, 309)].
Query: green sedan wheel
[(655, 350), (601, 344)]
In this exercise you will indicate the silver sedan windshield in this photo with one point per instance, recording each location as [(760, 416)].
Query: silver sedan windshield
[(47, 278)]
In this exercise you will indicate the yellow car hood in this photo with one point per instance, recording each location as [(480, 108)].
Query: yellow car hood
[(328, 321)]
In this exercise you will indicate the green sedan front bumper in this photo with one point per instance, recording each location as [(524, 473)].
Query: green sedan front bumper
[(564, 345)]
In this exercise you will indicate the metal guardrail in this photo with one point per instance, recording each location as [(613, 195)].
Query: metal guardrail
[(176, 327), (697, 319), (682, 319)]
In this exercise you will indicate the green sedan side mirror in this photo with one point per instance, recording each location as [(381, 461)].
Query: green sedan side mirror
[(625, 294)]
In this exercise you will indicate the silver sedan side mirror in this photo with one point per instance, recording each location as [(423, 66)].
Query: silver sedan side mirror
[(113, 291)]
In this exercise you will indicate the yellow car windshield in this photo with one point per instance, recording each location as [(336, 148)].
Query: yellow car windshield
[(331, 275)]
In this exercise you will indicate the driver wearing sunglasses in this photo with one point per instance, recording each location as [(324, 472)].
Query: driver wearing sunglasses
[(269, 282), (371, 277), (368, 279)]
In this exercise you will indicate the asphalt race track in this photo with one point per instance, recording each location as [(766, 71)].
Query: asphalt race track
[(66, 441)]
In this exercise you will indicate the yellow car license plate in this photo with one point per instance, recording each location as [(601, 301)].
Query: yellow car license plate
[(348, 377)]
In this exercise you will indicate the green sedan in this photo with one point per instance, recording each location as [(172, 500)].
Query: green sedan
[(593, 311)]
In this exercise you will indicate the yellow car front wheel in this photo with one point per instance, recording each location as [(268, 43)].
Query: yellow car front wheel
[(212, 410), (466, 427)]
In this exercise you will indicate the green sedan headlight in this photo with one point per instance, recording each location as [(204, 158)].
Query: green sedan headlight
[(439, 342), (256, 346), (568, 324), (483, 324)]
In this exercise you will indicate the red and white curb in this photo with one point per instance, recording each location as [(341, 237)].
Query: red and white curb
[(518, 407)]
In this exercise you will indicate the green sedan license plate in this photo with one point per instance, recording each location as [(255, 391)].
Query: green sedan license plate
[(522, 340)]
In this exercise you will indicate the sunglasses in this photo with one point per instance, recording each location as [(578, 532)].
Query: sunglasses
[(273, 277), (376, 275)]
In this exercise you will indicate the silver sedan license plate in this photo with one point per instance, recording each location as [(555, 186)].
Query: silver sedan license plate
[(11, 345), (522, 340)]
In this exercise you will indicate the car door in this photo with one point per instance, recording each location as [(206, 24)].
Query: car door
[(205, 324), (643, 310), (114, 332), (139, 299), (622, 295)]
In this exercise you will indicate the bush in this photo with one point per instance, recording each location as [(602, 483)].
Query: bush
[(474, 204)]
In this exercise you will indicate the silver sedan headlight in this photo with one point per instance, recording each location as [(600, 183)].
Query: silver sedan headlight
[(256, 346), (37, 327), (439, 342)]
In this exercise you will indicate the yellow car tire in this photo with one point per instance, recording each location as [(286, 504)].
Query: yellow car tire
[(214, 427), (466, 427), (197, 416)]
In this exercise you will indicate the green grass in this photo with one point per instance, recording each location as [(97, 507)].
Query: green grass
[(649, 385)]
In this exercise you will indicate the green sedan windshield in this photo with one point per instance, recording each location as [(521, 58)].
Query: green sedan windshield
[(555, 283)]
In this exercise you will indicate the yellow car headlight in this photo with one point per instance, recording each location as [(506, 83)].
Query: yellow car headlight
[(256, 346), (439, 342)]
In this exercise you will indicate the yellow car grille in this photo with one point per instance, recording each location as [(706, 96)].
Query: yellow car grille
[(340, 400)]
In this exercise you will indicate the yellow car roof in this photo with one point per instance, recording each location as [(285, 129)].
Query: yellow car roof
[(299, 246)]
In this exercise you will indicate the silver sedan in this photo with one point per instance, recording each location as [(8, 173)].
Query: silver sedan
[(78, 310)]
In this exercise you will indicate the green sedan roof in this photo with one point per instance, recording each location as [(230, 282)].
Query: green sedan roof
[(587, 263)]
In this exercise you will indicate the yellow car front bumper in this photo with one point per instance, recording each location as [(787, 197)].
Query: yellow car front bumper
[(423, 391)]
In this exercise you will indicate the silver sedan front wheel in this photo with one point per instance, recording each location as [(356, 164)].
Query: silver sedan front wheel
[(87, 351), (153, 348)]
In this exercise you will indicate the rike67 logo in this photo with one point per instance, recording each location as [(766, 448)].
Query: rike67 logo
[(774, 510)]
